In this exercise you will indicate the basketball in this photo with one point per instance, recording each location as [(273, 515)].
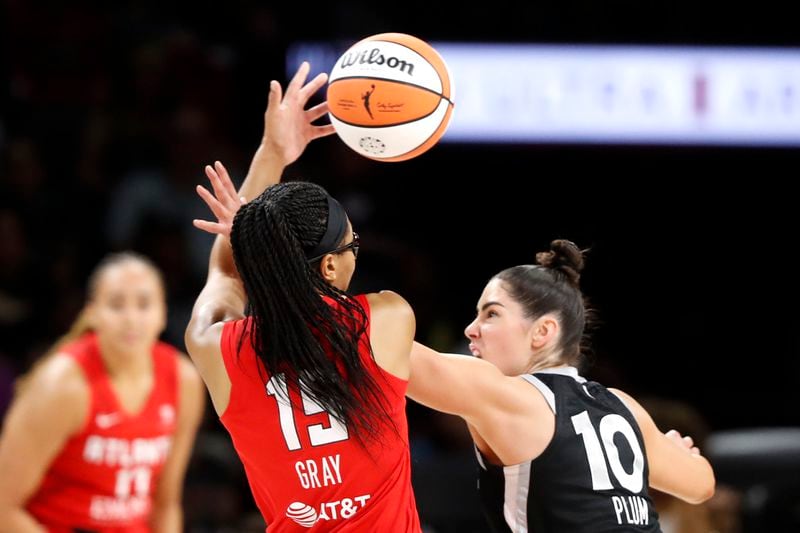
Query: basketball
[(390, 97)]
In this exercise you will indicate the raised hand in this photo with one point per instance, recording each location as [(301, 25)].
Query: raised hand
[(288, 125), (223, 203)]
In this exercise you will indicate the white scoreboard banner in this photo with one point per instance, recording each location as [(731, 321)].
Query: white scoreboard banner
[(525, 93)]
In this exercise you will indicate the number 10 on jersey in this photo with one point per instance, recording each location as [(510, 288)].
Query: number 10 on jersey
[(610, 425)]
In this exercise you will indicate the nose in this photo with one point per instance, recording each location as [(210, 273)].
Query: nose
[(133, 314), (471, 331), (130, 317)]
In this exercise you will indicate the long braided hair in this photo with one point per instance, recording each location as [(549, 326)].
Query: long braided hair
[(296, 332)]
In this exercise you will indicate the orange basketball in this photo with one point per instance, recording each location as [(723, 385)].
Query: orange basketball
[(390, 97)]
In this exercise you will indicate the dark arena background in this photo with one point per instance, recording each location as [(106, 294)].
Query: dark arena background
[(110, 111)]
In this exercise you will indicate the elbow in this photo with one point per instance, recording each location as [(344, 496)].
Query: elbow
[(189, 338), (693, 485), (710, 489), (707, 494), (705, 489)]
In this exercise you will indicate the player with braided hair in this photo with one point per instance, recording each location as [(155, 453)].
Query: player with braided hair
[(308, 380)]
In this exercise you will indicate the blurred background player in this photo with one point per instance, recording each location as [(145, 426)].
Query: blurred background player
[(101, 429)]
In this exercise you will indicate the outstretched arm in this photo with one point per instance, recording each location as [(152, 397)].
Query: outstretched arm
[(489, 401), (288, 129), (450, 383), (676, 466)]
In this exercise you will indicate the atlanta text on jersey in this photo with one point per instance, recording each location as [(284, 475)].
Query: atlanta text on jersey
[(126, 452)]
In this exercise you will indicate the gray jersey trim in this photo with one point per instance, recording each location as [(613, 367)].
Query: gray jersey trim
[(544, 389), (515, 504), (479, 456), (570, 371)]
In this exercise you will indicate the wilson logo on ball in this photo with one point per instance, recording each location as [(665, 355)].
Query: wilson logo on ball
[(374, 57), (375, 106)]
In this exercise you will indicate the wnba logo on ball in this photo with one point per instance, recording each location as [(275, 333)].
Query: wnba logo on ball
[(375, 57), (371, 145)]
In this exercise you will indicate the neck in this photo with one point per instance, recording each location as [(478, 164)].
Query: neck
[(125, 363), (550, 359)]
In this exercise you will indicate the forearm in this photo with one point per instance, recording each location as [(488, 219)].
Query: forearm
[(266, 169), (167, 518), (16, 520), (221, 258), (422, 381), (685, 476), (438, 381)]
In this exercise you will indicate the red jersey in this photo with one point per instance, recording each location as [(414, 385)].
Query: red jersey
[(305, 471), (104, 477)]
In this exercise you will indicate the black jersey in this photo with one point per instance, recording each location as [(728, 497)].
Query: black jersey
[(591, 478)]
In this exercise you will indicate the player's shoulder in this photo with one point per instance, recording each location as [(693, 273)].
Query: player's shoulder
[(59, 370), (624, 397), (630, 403), (59, 380), (388, 301), (389, 309)]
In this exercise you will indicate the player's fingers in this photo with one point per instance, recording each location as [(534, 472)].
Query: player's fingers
[(312, 87), (211, 227), (216, 207), (299, 79), (317, 111)]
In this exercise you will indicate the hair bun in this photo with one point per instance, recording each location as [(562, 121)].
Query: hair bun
[(565, 257)]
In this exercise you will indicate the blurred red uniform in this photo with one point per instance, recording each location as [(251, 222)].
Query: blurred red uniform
[(104, 477)]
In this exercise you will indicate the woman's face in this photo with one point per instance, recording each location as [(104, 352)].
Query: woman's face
[(500, 332), (128, 309)]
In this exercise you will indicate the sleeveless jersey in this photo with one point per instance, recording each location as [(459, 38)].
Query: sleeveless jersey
[(591, 478), (104, 477), (306, 471)]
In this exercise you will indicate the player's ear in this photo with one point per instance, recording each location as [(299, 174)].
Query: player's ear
[(327, 268), (544, 331)]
